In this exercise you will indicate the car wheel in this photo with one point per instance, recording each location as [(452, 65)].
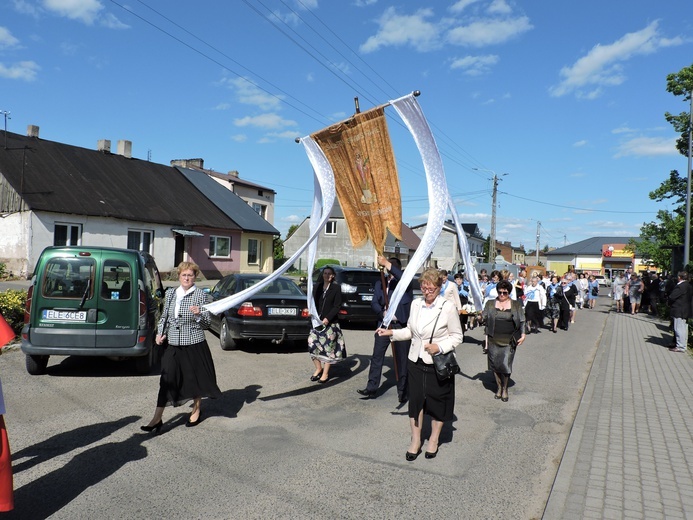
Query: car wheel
[(36, 365), (225, 339)]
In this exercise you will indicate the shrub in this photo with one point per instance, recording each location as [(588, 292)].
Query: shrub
[(324, 261), (12, 303)]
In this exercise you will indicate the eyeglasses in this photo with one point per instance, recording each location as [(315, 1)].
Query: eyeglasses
[(428, 289), (503, 292)]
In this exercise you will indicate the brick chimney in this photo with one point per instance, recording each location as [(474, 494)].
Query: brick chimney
[(104, 145), (233, 173), (125, 148), (32, 131), (189, 163)]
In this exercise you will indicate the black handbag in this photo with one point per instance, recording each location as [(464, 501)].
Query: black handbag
[(445, 364)]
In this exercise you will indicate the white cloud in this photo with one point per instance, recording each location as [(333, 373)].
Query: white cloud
[(461, 5), (580, 144), (239, 138), (223, 106), (83, 10), (292, 219), (111, 21), (602, 65), (24, 70), (249, 94), (6, 39), (307, 4), (623, 130), (364, 3), (499, 7), (488, 32), (267, 121), (647, 147), (24, 7), (396, 30), (475, 65)]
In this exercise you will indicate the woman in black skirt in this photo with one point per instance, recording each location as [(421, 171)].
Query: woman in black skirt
[(433, 328), (187, 369), (504, 319)]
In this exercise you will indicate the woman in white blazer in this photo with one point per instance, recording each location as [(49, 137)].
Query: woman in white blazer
[(433, 328)]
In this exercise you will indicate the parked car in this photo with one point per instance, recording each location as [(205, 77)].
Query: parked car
[(277, 312), (602, 280), (357, 284), (92, 301)]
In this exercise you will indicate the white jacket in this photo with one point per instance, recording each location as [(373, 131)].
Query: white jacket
[(447, 334), (540, 294)]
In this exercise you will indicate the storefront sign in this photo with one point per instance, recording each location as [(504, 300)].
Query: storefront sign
[(616, 251)]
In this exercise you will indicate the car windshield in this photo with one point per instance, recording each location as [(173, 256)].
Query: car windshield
[(360, 277), (282, 287)]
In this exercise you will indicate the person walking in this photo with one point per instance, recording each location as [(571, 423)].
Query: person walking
[(535, 302), (433, 328), (187, 368), (379, 304), (652, 290), (553, 308), (326, 343), (505, 330), (566, 301), (592, 291), (618, 288), (635, 288), (680, 310)]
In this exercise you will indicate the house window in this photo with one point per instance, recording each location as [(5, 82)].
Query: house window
[(331, 227), (260, 209), (140, 240), (67, 235), (254, 251), (220, 246)]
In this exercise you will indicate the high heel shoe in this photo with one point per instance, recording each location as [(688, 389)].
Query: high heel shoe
[(323, 381), (315, 377), (431, 454), (155, 428)]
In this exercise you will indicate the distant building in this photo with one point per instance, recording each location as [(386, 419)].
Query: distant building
[(597, 255), (446, 251)]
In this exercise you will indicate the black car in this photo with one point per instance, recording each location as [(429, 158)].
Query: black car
[(277, 312), (357, 285)]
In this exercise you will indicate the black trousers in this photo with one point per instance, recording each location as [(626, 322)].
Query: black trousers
[(380, 346)]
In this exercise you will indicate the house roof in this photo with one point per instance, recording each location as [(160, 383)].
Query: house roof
[(589, 246), (62, 178), (231, 204), (235, 179), (470, 229)]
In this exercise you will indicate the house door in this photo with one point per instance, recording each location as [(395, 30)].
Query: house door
[(179, 250)]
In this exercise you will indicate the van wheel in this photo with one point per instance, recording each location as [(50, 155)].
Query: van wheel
[(225, 339), (144, 364), (36, 365)]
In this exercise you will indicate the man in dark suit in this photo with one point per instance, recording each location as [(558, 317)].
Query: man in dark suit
[(680, 311), (401, 348)]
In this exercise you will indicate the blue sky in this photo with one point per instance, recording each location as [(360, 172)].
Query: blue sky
[(567, 98)]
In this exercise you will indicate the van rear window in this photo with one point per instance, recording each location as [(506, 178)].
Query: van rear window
[(116, 282), (68, 278)]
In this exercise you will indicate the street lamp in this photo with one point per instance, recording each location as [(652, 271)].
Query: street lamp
[(492, 240)]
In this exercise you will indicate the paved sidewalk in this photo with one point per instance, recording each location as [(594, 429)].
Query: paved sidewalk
[(630, 451)]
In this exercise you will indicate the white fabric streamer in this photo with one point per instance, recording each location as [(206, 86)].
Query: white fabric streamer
[(410, 112), (470, 270), (322, 206)]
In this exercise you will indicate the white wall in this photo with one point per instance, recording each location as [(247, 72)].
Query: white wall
[(14, 247)]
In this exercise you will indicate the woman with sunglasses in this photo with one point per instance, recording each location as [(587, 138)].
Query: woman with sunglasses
[(505, 330), (433, 328)]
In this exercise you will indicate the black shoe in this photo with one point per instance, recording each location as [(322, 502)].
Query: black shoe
[(190, 423), (412, 456), (431, 454), (156, 428), (316, 377), (402, 397), (368, 394)]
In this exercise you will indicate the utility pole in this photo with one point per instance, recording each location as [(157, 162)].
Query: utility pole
[(7, 116), (492, 239), (537, 246)]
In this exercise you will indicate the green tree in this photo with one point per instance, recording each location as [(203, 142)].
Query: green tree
[(278, 246), (292, 228), (681, 84)]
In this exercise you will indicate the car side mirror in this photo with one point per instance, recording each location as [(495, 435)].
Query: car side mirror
[(303, 279)]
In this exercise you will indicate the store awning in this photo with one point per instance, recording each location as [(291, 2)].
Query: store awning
[(187, 232)]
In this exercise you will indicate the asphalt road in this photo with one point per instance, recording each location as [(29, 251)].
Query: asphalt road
[(278, 446)]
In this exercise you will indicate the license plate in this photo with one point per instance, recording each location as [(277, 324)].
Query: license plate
[(281, 311), (51, 315), (366, 297)]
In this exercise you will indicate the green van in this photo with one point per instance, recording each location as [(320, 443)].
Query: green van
[(92, 301)]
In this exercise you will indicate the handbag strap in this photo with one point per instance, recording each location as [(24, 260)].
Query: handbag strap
[(435, 323)]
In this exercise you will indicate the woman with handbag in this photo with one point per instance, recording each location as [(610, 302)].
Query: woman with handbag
[(187, 369), (505, 330), (326, 342), (434, 329), (592, 291)]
